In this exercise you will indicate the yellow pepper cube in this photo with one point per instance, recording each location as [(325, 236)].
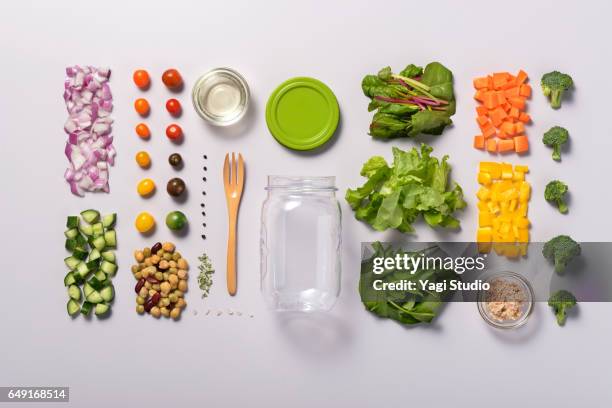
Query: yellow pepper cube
[(484, 247), (493, 208), (484, 234), (483, 205), (522, 222), (523, 248), (518, 176), (505, 228), (483, 194), (512, 251), (524, 192), (523, 235), (498, 247), (485, 219), (521, 168), (522, 210), (512, 205), (492, 168), (506, 171), (484, 178)]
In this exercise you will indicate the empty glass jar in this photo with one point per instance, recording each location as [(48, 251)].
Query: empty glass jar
[(300, 244)]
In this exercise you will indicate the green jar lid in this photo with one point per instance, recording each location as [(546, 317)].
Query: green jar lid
[(302, 113)]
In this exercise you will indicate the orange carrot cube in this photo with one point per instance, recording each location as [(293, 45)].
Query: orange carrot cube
[(480, 83), (524, 117), (508, 128), (479, 142), (482, 110), (514, 113), (492, 145), (518, 103), (521, 77), (482, 120), (505, 145), (525, 90), (521, 144)]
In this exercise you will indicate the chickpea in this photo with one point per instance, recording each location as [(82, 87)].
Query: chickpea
[(176, 256), (182, 285), (175, 313), (151, 292), (173, 298), (156, 287), (181, 303), (139, 309), (173, 270), (139, 256), (144, 292), (148, 262), (147, 252), (134, 268), (147, 285), (160, 253), (172, 264), (165, 287), (155, 259), (138, 275), (155, 311), (168, 256), (182, 274), (140, 300), (165, 274), (145, 273), (182, 264), (159, 276), (178, 293), (168, 246), (173, 279), (165, 312), (165, 302), (163, 264)]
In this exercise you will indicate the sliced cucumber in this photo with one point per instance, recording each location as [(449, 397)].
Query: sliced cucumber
[(72, 221), (90, 216), (74, 292), (72, 262), (102, 309), (93, 255), (108, 268), (81, 241), (109, 220), (82, 270), (98, 229), (93, 265), (86, 308), (110, 237), (87, 289), (101, 276), (86, 229), (94, 297), (72, 307), (108, 293), (98, 242), (69, 279), (109, 256), (96, 283), (71, 233), (79, 253), (71, 244)]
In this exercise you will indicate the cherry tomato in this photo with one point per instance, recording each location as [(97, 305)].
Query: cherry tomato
[(144, 222), (143, 131), (174, 132), (145, 187), (172, 79), (174, 107), (142, 79), (143, 159), (142, 106)]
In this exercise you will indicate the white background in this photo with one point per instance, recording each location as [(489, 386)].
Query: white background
[(348, 358)]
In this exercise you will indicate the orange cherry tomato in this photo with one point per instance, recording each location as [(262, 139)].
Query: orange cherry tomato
[(142, 106), (174, 107), (172, 79), (174, 132), (143, 159), (142, 79), (143, 131)]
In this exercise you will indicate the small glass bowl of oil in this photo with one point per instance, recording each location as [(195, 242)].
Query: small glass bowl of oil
[(221, 96)]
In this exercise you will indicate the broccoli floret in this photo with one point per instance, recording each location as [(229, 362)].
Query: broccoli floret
[(554, 192), (561, 301), (561, 250), (554, 84), (556, 137)]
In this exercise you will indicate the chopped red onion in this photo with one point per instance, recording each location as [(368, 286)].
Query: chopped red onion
[(89, 149)]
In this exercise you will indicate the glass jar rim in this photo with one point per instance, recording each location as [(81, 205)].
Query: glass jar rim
[(301, 183)]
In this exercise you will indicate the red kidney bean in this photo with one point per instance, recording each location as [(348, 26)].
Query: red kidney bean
[(139, 285), (156, 247), (152, 280), (152, 301)]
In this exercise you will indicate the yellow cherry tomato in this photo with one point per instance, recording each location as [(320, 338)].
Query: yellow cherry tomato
[(146, 187), (144, 222), (143, 159)]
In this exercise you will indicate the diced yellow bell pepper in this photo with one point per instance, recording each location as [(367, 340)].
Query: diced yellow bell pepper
[(484, 219), (522, 210), (523, 235), (522, 222), (483, 194), (524, 192), (505, 228), (491, 168), (484, 178), (523, 248), (484, 247), (506, 171), (512, 251), (512, 205), (483, 205), (493, 208), (521, 168), (518, 176), (484, 234)]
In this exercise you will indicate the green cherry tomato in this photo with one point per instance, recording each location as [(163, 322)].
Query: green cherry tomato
[(176, 220)]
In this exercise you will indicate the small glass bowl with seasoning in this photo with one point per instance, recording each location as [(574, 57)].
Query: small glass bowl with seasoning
[(508, 302), (221, 96)]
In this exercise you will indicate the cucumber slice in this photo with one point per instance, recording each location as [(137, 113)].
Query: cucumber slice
[(71, 244), (93, 265), (72, 221), (93, 255), (72, 262), (86, 229), (108, 268), (74, 292), (108, 293), (87, 289), (109, 256), (109, 220), (101, 276), (110, 237), (71, 233), (98, 242), (81, 241), (69, 279), (102, 309), (98, 229), (72, 307), (86, 308), (79, 253), (90, 216), (96, 283), (94, 297), (82, 270)]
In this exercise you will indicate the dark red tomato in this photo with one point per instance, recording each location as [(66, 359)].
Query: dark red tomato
[(172, 79), (174, 107), (174, 132)]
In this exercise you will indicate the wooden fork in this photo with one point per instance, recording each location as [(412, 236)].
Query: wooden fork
[(233, 181)]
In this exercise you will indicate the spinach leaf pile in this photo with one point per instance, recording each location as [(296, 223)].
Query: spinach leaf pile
[(414, 101), (395, 196)]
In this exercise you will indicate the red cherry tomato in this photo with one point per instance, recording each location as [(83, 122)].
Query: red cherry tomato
[(174, 107), (142, 79), (142, 106), (174, 132), (172, 79)]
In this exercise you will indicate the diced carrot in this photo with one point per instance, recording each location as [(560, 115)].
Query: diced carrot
[(479, 142), (514, 113), (488, 132), (508, 128), (519, 127), (479, 95), (521, 144), (510, 84), (501, 99), (506, 107), (482, 110), (482, 120), (485, 126), (525, 90), (518, 103), (502, 135), (497, 116), (481, 82), (524, 117), (521, 77), (490, 82), (492, 145), (499, 80), (490, 100), (505, 145), (512, 92)]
